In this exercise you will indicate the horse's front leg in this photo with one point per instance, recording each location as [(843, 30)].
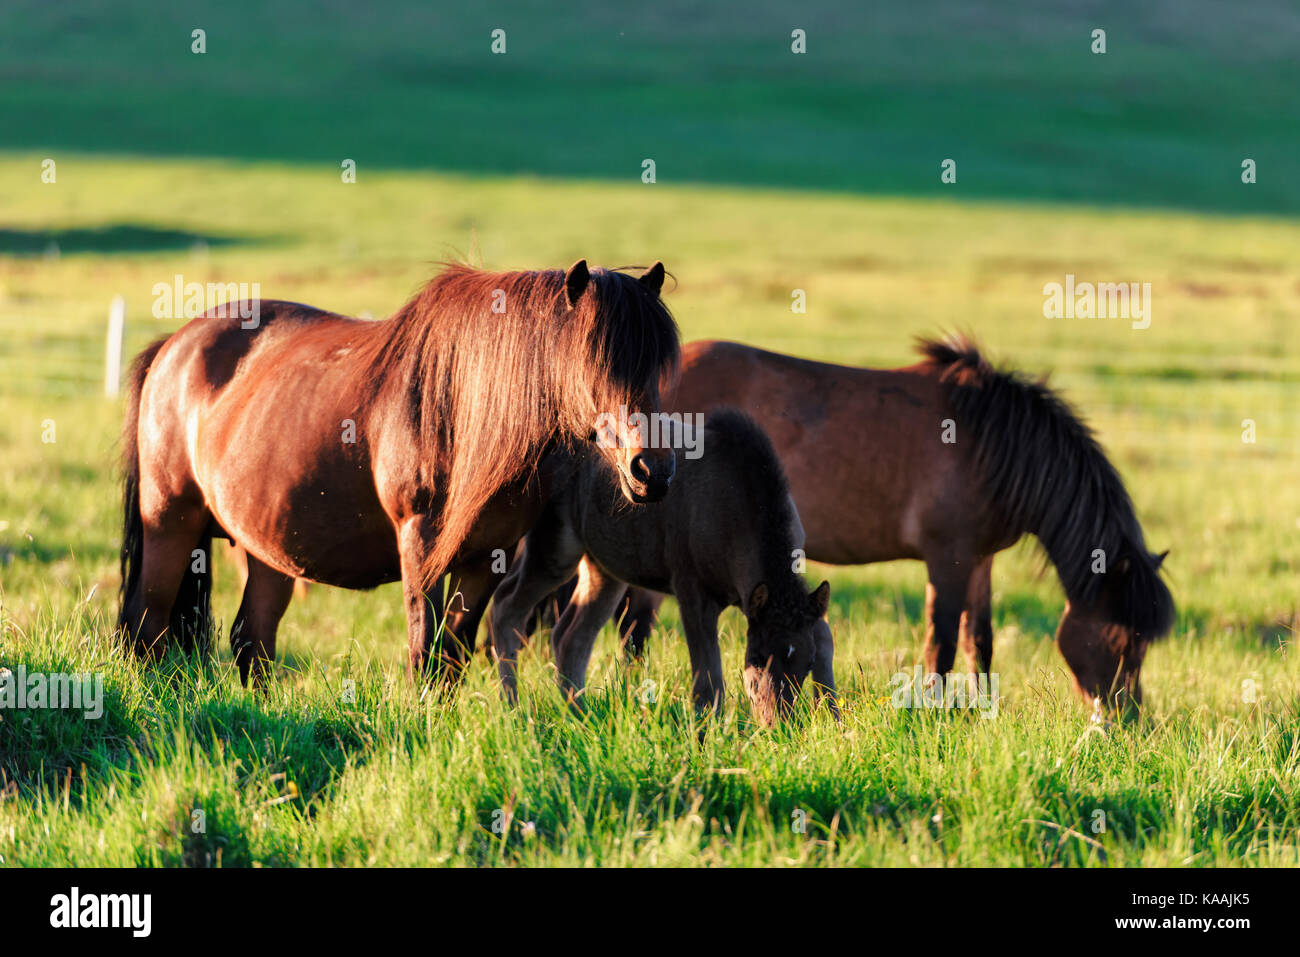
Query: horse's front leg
[(700, 622), (945, 599), (823, 670), (975, 634), (252, 636), (429, 655), (594, 601)]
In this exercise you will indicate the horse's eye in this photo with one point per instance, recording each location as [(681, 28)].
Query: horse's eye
[(789, 652)]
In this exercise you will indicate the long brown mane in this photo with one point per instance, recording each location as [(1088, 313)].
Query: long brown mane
[(489, 390), (1046, 474)]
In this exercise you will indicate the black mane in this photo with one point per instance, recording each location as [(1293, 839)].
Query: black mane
[(753, 461), (1046, 474)]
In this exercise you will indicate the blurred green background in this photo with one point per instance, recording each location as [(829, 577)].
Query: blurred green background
[(711, 91)]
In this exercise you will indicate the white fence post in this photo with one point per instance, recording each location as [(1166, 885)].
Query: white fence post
[(113, 353)]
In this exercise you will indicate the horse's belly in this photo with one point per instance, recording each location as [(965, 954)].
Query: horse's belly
[(839, 539), (851, 515), (364, 562), (299, 504), (337, 540)]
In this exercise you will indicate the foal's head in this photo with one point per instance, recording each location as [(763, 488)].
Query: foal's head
[(1104, 641), (755, 512), (634, 339), (782, 645)]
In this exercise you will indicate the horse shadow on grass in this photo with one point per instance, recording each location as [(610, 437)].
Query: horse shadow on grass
[(48, 750), (53, 743), (115, 239), (310, 749), (286, 755), (1031, 613)]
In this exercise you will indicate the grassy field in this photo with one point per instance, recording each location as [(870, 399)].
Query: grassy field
[(775, 173), (300, 776)]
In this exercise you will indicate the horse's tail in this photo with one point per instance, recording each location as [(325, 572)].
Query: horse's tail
[(132, 525), (1044, 473)]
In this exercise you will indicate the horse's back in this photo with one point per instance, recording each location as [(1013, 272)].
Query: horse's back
[(213, 345), (262, 410), (861, 447)]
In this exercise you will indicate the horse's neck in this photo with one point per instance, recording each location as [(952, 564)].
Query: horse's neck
[(747, 562)]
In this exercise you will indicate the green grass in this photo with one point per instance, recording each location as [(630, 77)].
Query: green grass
[(299, 776)]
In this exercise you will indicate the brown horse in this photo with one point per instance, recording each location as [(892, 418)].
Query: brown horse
[(726, 534), (356, 453), (948, 461)]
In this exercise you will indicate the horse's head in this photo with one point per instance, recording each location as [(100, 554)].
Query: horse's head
[(636, 341), (782, 646), (1105, 641), (630, 444)]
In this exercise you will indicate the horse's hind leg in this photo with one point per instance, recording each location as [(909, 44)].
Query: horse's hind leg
[(976, 636), (239, 558), (252, 637), (191, 618), (169, 540)]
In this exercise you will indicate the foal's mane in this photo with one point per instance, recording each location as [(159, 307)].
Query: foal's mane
[(1045, 473), (487, 391), (753, 470)]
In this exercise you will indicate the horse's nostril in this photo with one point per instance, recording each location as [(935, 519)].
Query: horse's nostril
[(640, 468)]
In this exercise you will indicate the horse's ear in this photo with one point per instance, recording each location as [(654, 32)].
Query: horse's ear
[(575, 281), (757, 599), (1160, 559), (821, 599), (653, 279)]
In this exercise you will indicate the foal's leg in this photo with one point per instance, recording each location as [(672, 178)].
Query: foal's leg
[(700, 622), (252, 637), (945, 597), (469, 591), (593, 603), (636, 616), (171, 533), (548, 612), (549, 560), (976, 636)]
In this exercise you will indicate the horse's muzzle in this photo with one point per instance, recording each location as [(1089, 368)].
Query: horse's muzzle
[(648, 478)]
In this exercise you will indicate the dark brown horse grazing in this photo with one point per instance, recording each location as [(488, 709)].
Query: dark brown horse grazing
[(726, 534), (874, 480), (356, 453)]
